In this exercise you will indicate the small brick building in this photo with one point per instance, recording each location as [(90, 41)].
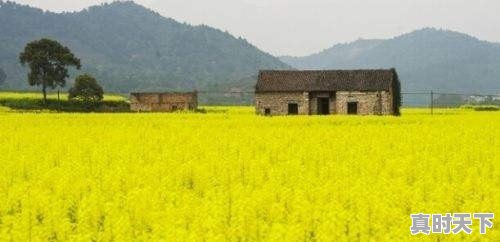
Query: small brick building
[(328, 92), (163, 101)]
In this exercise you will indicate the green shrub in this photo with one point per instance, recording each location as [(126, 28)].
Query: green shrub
[(86, 91), (481, 107), (487, 108)]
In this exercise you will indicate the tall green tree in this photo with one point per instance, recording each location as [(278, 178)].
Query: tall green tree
[(48, 61)]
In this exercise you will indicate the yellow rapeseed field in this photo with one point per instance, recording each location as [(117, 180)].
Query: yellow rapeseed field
[(229, 175), (50, 95)]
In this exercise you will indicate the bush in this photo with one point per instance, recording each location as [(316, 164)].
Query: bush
[(86, 91), (487, 108), (481, 107)]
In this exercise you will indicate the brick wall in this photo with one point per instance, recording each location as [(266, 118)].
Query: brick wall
[(368, 103), (163, 102), (278, 102)]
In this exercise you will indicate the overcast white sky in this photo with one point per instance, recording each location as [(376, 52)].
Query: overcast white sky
[(300, 27)]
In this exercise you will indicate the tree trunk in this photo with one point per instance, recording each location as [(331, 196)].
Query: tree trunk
[(44, 90)]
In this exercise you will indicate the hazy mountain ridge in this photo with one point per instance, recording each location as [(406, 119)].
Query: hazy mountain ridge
[(129, 47), (425, 59), (319, 60)]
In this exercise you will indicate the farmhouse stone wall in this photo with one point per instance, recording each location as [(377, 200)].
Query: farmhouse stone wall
[(163, 102), (368, 103), (278, 102)]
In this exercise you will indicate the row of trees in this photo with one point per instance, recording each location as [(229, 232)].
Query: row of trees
[(48, 63)]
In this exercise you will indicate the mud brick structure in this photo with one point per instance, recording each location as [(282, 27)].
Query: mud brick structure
[(163, 101)]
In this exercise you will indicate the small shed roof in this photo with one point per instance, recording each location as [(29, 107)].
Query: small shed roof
[(325, 80)]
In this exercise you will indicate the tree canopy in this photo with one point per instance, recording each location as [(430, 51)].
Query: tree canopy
[(48, 61), (86, 90)]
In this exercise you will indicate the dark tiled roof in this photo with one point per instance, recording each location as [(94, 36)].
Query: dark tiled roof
[(326, 80)]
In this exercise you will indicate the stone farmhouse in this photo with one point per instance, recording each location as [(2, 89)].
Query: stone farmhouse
[(364, 92), (163, 101)]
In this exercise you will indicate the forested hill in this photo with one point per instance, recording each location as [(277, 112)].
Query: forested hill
[(130, 48), (425, 59)]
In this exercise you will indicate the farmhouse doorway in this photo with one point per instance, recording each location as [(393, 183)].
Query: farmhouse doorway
[(323, 106), (352, 108)]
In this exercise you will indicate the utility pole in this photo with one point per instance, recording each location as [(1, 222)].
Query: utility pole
[(432, 102), (58, 101)]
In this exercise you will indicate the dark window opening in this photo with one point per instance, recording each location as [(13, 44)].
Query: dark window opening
[(267, 111), (323, 106), (174, 108), (352, 108), (293, 109)]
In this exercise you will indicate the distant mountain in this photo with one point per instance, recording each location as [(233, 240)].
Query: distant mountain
[(425, 59), (333, 55), (130, 48)]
